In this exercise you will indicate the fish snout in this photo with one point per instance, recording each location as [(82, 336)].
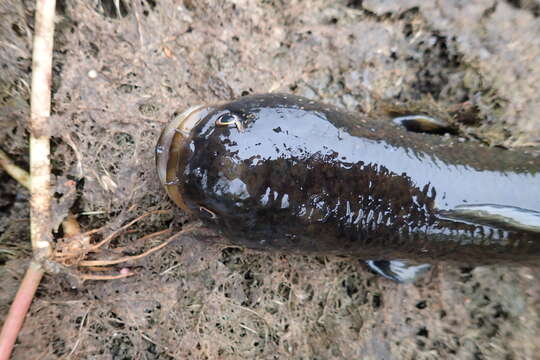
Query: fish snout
[(170, 149)]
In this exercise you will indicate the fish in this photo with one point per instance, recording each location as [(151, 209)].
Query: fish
[(280, 172)]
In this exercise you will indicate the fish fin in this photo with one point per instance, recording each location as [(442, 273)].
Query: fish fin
[(502, 216), (424, 124), (401, 271)]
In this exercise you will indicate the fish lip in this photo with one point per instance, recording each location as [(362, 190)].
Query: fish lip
[(168, 150), (165, 140)]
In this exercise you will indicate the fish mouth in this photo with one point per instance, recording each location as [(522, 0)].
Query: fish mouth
[(170, 147)]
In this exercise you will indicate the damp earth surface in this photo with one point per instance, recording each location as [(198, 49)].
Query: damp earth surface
[(122, 69)]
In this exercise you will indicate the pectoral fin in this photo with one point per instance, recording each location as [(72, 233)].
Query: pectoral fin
[(401, 271), (424, 124), (500, 216)]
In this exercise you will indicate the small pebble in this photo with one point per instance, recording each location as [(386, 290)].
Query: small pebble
[(92, 74)]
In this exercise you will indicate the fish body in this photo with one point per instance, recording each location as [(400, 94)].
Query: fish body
[(282, 172)]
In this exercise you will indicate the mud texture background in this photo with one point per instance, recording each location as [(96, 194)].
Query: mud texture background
[(121, 73)]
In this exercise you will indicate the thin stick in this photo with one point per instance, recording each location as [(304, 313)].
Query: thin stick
[(129, 258), (40, 111), (19, 308), (101, 268), (145, 238), (14, 171), (40, 171), (123, 228), (105, 277), (79, 335)]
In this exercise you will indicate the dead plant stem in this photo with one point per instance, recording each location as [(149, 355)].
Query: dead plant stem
[(14, 171), (40, 173), (19, 308), (40, 110)]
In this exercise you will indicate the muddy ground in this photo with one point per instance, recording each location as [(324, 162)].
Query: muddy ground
[(120, 73)]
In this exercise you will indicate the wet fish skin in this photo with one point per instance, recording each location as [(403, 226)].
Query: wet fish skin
[(282, 172)]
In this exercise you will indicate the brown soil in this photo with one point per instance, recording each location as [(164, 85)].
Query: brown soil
[(121, 74)]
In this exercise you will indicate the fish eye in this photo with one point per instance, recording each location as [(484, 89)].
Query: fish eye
[(230, 119), (226, 119), (208, 212)]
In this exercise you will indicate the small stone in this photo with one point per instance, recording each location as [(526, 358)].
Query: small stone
[(92, 74)]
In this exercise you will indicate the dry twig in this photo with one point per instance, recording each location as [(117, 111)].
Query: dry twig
[(40, 111), (40, 214), (99, 265), (122, 229), (106, 277), (130, 258), (14, 171)]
